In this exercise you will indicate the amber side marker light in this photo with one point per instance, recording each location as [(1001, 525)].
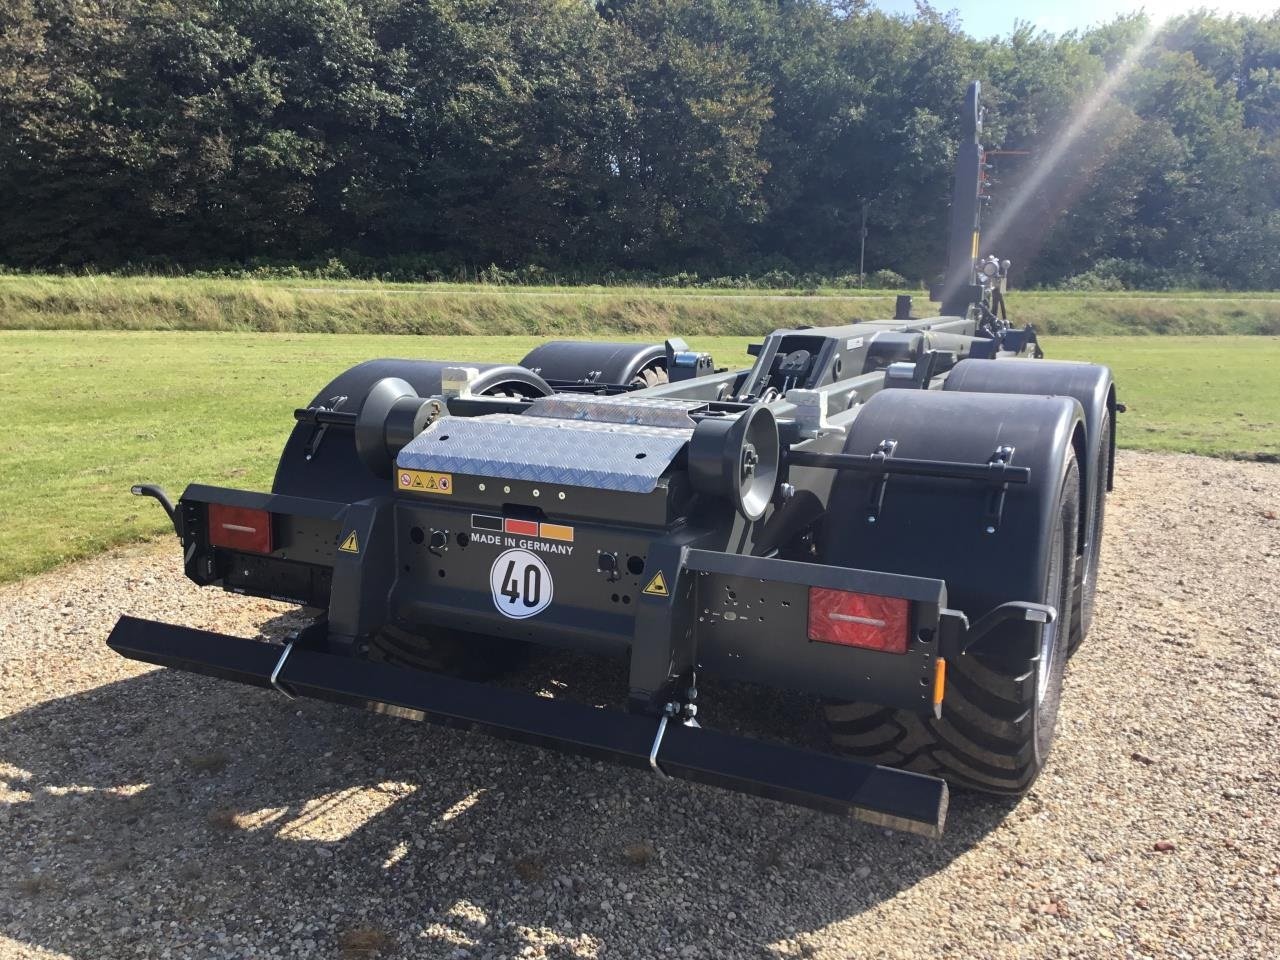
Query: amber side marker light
[(240, 528), (939, 686), (864, 620)]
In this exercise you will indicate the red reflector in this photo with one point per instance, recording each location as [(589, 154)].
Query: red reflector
[(240, 528), (859, 619), (528, 528)]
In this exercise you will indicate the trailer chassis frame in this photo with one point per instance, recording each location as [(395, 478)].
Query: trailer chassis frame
[(884, 796)]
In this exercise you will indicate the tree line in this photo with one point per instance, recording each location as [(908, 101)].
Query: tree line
[(628, 138)]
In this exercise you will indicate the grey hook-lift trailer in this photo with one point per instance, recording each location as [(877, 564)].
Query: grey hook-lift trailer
[(900, 518)]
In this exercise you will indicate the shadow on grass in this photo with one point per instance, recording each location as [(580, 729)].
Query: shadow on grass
[(171, 810)]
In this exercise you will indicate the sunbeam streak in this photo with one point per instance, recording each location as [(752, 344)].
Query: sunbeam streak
[(1048, 163)]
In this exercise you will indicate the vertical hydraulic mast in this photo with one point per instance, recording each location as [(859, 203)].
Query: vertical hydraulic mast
[(960, 289)]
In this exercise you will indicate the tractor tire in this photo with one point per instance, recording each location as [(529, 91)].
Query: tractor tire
[(1086, 589), (650, 377), (999, 712), (451, 652)]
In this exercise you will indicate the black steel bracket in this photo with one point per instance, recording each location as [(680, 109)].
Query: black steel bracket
[(957, 634), (875, 499), (883, 796), (1002, 457), (321, 427), (158, 494)]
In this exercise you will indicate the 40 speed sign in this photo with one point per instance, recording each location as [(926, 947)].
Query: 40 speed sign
[(521, 584)]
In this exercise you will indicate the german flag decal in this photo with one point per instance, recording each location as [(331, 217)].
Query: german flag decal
[(522, 528), (555, 531)]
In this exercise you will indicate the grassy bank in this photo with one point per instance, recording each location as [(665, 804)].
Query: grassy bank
[(155, 303), (89, 414)]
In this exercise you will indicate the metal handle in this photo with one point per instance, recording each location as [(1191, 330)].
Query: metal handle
[(157, 493)]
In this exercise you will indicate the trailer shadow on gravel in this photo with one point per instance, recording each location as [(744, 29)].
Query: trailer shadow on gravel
[(169, 810)]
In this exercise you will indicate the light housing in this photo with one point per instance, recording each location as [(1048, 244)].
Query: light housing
[(240, 528), (864, 620)]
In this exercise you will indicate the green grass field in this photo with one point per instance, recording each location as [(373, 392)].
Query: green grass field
[(92, 413), (315, 306)]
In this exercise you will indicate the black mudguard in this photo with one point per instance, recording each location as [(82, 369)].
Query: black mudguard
[(948, 529), (334, 471), (1089, 383), (592, 361)]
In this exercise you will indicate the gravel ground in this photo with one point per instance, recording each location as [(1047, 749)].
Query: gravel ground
[(154, 814)]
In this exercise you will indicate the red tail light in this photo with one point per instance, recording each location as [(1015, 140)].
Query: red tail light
[(240, 528), (859, 619)]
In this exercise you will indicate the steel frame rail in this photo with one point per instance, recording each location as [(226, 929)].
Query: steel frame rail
[(884, 796)]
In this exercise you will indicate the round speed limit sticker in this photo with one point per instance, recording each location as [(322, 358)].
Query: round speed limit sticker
[(521, 584)]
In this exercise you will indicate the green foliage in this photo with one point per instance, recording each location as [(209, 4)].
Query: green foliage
[(722, 142), (885, 279), (324, 300)]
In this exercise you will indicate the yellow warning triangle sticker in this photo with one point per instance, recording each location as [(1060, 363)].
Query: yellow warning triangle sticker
[(351, 544), (658, 586)]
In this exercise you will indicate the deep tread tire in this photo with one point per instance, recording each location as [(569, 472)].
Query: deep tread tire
[(994, 735), (650, 377), (1086, 590), (456, 654)]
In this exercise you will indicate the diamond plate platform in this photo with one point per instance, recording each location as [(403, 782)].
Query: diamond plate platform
[(573, 453), (640, 411)]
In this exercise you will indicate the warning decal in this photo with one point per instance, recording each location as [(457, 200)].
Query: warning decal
[(657, 586), (425, 481), (350, 544)]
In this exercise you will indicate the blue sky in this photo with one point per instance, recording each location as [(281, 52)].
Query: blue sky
[(985, 18)]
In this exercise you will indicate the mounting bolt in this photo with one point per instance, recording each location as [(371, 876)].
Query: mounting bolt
[(871, 518), (786, 490), (991, 529)]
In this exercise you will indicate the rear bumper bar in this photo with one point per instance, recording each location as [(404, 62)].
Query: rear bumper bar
[(880, 795)]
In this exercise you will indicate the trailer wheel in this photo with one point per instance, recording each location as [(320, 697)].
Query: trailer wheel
[(1086, 590), (651, 376), (1000, 711), (451, 652)]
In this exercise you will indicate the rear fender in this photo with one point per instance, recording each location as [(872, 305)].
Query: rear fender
[(1090, 384), (947, 529), (327, 467), (591, 361)]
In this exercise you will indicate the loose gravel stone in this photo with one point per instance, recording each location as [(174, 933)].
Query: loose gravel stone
[(149, 813)]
